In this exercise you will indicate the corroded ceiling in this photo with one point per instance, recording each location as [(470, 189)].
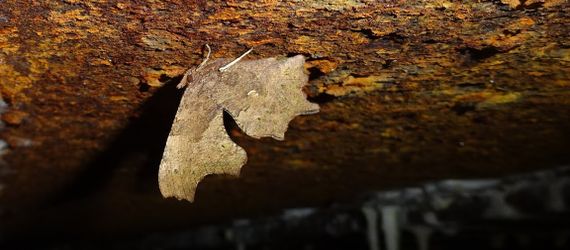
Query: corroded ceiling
[(410, 91)]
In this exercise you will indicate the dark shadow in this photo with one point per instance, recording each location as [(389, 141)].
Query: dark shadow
[(144, 137), (474, 55)]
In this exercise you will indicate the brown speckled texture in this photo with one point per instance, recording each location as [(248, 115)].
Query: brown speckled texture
[(410, 91)]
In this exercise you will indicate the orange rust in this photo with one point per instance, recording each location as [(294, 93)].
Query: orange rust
[(323, 65), (400, 84), (14, 117)]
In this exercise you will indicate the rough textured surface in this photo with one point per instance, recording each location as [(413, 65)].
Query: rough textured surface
[(409, 90)]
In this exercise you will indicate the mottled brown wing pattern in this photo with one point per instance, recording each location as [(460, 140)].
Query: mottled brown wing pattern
[(263, 96)]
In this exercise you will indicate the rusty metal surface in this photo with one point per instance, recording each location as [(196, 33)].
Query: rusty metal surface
[(410, 91)]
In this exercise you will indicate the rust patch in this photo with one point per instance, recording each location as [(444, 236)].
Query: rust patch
[(350, 84), (529, 3), (163, 40), (324, 66), (157, 77), (14, 117), (485, 99)]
